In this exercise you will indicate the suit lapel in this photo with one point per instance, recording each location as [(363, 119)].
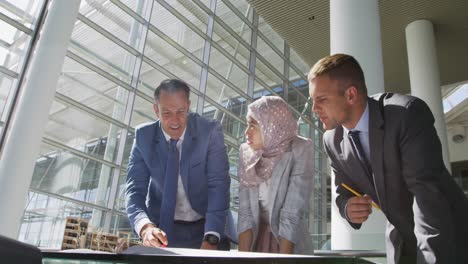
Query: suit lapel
[(187, 148), (376, 142), (161, 148), (355, 166)]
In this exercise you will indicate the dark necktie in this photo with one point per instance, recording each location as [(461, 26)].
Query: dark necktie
[(359, 150), (166, 218)]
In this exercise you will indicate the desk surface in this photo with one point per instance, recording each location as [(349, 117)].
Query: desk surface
[(143, 255)]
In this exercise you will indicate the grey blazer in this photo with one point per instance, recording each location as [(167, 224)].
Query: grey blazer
[(427, 212), (290, 189)]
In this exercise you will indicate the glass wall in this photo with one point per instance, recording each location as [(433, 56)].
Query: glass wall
[(18, 27), (118, 53)]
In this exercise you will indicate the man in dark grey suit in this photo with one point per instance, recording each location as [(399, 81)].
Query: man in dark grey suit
[(386, 147)]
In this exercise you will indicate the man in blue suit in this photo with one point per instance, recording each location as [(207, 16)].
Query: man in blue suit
[(178, 184)]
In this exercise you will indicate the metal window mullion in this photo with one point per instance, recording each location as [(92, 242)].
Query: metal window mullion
[(269, 66), (302, 75), (128, 112), (12, 22), (99, 93), (91, 66), (265, 85), (68, 199), (206, 58), (231, 31), (5, 44), (297, 90), (203, 7), (228, 83), (228, 112), (163, 70), (107, 34), (238, 13), (9, 72), (271, 45), (174, 44), (305, 118), (129, 11), (286, 72), (253, 56), (184, 20), (95, 56), (18, 11), (79, 153), (71, 102), (230, 57)]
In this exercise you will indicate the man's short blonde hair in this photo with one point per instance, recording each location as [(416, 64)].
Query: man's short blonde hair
[(342, 67)]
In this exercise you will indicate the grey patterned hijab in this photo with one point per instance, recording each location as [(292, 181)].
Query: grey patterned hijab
[(278, 128)]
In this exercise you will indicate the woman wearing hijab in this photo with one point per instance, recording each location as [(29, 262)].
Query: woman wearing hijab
[(276, 174)]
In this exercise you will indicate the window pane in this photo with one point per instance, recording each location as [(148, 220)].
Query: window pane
[(79, 130), (114, 20), (192, 12), (244, 8), (142, 112), (229, 43), (233, 21), (91, 89), (25, 12), (177, 30), (270, 55), (13, 47), (6, 85), (270, 34), (298, 62), (102, 52), (169, 58), (220, 92), (61, 172), (267, 75), (43, 222), (228, 69)]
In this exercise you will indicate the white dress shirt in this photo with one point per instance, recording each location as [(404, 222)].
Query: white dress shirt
[(363, 127)]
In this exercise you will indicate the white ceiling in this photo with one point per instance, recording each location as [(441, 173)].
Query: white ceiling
[(305, 26)]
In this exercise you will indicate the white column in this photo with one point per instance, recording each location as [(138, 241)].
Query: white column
[(23, 137), (355, 30), (424, 75)]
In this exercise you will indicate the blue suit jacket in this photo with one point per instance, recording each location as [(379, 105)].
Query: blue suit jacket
[(203, 169)]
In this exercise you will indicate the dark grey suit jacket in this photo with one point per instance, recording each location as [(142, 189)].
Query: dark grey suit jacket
[(427, 212)]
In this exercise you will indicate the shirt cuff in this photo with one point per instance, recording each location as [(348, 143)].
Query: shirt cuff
[(213, 233), (140, 224), (346, 212)]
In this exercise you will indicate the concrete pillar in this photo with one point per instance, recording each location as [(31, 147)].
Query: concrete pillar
[(24, 136), (355, 30), (424, 75)]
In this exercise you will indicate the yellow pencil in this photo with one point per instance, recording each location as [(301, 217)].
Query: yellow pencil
[(359, 195)]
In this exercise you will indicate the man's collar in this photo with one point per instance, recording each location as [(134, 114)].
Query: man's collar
[(167, 137), (362, 125)]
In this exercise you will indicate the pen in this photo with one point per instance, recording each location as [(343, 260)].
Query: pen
[(359, 195)]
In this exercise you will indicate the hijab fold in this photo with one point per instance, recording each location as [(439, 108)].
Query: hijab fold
[(278, 128)]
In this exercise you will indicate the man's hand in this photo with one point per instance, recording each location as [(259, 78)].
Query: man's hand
[(206, 245), (153, 236), (359, 209)]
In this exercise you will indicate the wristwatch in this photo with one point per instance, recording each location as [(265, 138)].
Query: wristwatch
[(211, 239)]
